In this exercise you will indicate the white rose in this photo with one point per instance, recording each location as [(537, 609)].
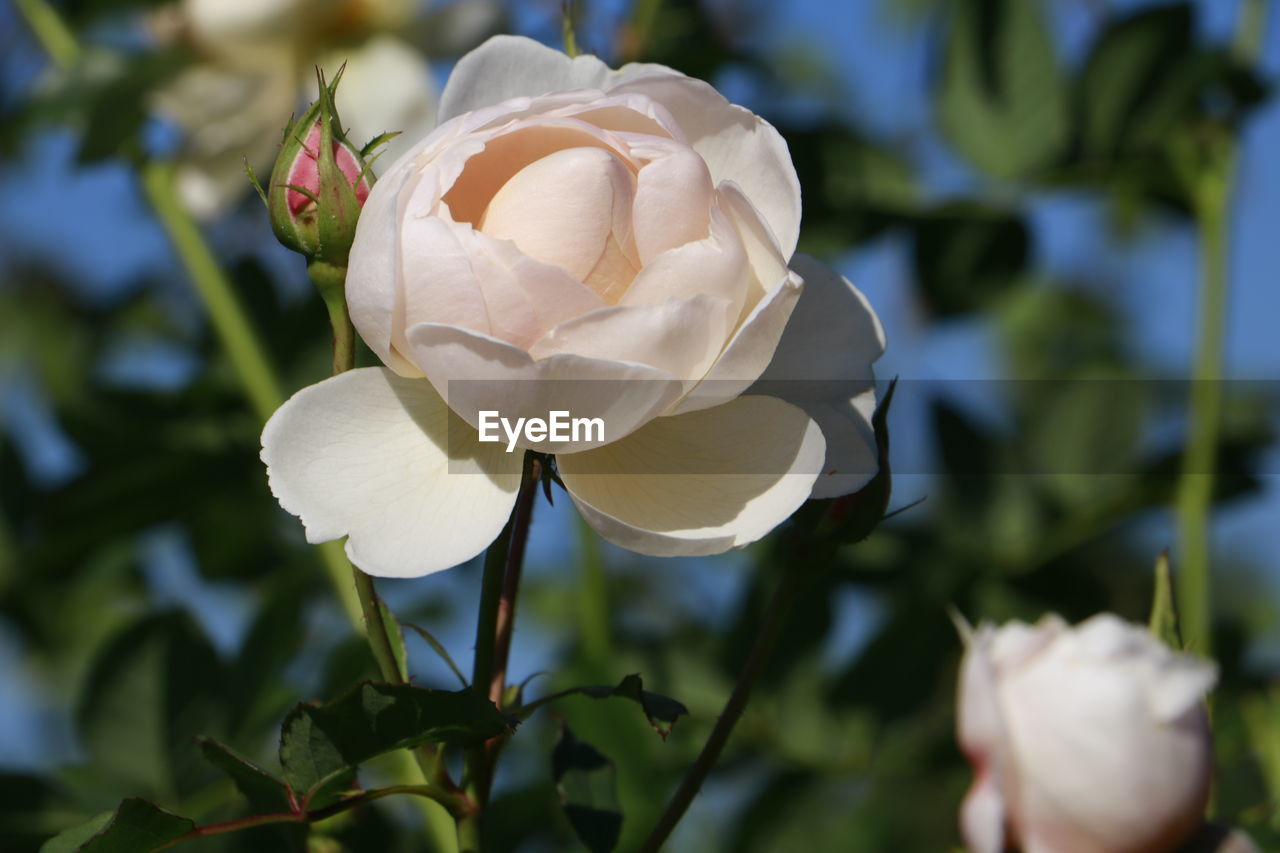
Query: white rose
[(613, 244), (1086, 740)]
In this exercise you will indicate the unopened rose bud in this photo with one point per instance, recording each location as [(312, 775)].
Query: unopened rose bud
[(1091, 739), (319, 183)]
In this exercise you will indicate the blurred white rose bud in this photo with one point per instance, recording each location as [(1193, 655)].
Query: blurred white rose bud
[(1091, 739)]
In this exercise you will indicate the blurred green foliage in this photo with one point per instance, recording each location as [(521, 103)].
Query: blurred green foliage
[(845, 752)]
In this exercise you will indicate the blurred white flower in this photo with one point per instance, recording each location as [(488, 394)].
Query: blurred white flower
[(256, 67), (1091, 739)]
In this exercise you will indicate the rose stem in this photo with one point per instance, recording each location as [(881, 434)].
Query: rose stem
[(499, 586), (330, 280), (1210, 185), (783, 597)]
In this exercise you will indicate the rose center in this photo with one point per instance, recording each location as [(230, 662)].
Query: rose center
[(571, 209)]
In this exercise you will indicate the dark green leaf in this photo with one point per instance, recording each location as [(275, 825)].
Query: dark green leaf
[(320, 745), (1001, 98), (1132, 86), (662, 712), (151, 691), (965, 256), (135, 827), (264, 791), (588, 792)]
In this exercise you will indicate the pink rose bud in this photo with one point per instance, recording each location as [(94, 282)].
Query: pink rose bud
[(319, 183), (1091, 739)]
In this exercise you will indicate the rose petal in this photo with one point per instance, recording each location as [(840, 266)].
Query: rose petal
[(681, 337), (507, 67), (374, 295), (477, 373), (672, 202), (562, 210), (700, 483), (381, 459), (715, 266), (748, 352), (980, 730), (738, 146), (823, 364)]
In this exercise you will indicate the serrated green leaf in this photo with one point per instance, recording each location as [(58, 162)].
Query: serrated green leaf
[(136, 826), (322, 744), (1002, 99), (585, 780), (662, 712), (263, 790)]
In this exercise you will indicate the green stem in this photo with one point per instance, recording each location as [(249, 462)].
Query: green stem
[(229, 321), (1196, 482), (330, 281), (55, 37), (785, 595), (376, 628), (593, 598), (494, 623)]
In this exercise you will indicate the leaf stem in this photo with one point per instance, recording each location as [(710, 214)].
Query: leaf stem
[(784, 596), (451, 801)]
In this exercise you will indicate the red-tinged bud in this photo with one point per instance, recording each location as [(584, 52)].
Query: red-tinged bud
[(319, 183)]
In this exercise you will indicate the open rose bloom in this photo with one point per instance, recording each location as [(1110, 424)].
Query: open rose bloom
[(612, 244), (1091, 739)]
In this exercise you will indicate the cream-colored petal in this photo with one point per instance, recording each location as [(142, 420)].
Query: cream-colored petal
[(524, 298), (374, 293), (672, 202), (748, 352), (716, 266), (700, 483), (823, 364), (562, 208), (478, 373), (680, 337), (381, 459), (738, 146), (506, 67)]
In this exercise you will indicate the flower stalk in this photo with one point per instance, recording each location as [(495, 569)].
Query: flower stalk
[(495, 623), (767, 637)]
